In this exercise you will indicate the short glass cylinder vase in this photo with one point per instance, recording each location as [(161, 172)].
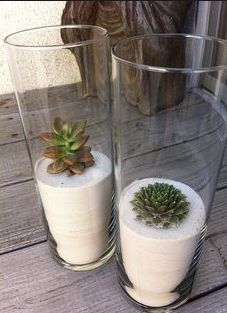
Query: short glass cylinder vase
[(61, 80), (170, 100)]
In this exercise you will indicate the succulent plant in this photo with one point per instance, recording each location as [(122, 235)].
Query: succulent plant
[(161, 205), (67, 147)]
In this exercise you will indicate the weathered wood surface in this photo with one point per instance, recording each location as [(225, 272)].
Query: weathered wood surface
[(212, 269), (222, 180), (216, 302), (8, 104), (204, 125), (14, 164), (20, 221), (176, 161), (31, 282)]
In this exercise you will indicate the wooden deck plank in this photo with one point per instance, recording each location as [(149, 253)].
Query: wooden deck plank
[(10, 129), (218, 214), (21, 225), (222, 180), (180, 124), (8, 104), (212, 269), (14, 163), (183, 121), (38, 284), (211, 273), (176, 162), (11, 132), (216, 302), (31, 281), (16, 167), (20, 221), (18, 171)]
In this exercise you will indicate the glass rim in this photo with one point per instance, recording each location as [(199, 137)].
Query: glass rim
[(167, 69), (103, 35)]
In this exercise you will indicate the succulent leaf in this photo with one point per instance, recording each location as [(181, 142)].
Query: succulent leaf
[(56, 167), (79, 127), (67, 127), (79, 142), (70, 160), (89, 164), (53, 153), (67, 147), (48, 137), (160, 205), (77, 168), (84, 155), (57, 125), (58, 141)]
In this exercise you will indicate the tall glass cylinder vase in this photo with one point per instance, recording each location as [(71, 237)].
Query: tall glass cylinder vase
[(170, 98), (61, 80)]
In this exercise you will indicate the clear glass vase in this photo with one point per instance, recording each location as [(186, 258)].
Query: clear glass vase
[(169, 137), (61, 80)]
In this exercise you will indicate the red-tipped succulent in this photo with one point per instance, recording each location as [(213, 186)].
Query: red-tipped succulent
[(67, 147)]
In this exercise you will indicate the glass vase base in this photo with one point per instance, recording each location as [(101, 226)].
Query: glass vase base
[(165, 309), (105, 258)]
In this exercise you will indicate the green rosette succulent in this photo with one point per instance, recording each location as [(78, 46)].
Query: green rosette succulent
[(160, 205), (67, 147)]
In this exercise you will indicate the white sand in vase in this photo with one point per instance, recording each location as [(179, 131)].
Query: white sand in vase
[(78, 209), (156, 260)]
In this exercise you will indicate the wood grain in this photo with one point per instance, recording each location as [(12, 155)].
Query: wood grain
[(177, 162), (212, 269), (37, 284), (8, 104), (222, 180), (21, 225), (193, 118), (216, 302), (20, 220), (184, 120), (15, 166), (31, 282), (11, 129), (14, 163)]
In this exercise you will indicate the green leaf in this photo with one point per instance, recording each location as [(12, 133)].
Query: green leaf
[(160, 205), (67, 147), (67, 127), (57, 125), (59, 141), (79, 142)]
